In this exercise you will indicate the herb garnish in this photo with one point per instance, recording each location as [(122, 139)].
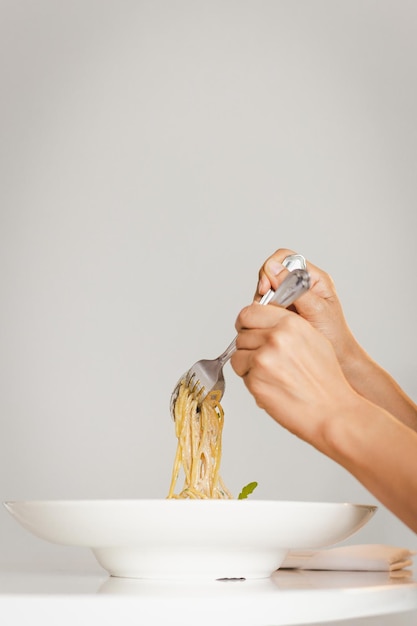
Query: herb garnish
[(247, 490)]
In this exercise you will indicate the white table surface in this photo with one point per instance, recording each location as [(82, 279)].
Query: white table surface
[(288, 597)]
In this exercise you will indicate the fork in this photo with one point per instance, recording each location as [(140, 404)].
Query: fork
[(205, 378)]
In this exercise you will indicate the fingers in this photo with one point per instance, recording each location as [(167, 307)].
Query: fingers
[(270, 271), (322, 288), (320, 305), (273, 266), (260, 330), (259, 316)]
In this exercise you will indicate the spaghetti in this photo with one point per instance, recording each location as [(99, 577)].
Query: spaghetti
[(199, 432)]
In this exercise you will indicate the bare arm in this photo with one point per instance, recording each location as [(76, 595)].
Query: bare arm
[(374, 383), (381, 453), (293, 373)]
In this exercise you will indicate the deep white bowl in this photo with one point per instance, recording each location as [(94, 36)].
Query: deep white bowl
[(183, 539)]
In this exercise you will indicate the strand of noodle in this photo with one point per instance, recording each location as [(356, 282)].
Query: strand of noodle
[(177, 461), (205, 454), (218, 450), (211, 450), (187, 431), (180, 413), (175, 472), (188, 416), (196, 438), (202, 461)]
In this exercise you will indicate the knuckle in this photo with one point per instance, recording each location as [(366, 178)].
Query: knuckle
[(244, 317), (264, 358), (281, 253), (289, 324)]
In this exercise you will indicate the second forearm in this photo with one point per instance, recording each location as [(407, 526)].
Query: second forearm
[(381, 453), (374, 383)]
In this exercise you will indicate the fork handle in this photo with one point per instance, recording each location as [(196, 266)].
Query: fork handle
[(295, 284)]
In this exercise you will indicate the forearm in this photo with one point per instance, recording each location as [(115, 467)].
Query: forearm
[(381, 452), (374, 383)]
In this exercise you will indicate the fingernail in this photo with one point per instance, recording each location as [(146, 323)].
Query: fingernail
[(275, 267)]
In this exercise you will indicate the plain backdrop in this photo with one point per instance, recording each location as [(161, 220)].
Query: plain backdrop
[(152, 155)]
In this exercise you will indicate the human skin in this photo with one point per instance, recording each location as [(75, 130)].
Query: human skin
[(306, 370), (322, 308)]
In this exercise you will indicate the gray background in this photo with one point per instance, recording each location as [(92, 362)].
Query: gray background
[(152, 155)]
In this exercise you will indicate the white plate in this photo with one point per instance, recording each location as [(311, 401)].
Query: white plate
[(180, 539)]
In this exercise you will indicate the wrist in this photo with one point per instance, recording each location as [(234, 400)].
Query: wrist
[(344, 429), (356, 364)]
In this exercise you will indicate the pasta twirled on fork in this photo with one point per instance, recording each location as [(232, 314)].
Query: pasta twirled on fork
[(199, 448)]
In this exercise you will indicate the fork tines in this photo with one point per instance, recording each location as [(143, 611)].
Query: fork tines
[(195, 386)]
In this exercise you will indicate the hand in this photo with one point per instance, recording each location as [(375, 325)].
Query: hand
[(320, 305), (291, 370)]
